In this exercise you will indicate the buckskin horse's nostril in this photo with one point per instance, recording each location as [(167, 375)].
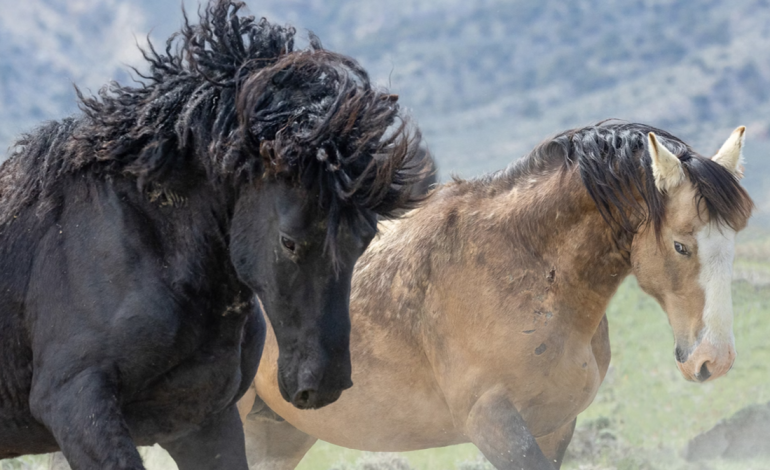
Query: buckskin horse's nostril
[(703, 374), (681, 355)]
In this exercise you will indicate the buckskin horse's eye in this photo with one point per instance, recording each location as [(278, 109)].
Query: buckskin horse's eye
[(681, 249), (288, 244)]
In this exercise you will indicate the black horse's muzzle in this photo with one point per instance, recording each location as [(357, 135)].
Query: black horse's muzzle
[(314, 385)]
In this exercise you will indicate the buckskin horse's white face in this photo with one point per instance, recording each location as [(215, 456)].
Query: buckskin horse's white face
[(689, 269)]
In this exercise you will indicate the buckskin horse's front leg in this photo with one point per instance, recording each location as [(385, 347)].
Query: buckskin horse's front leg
[(554, 445), (271, 442), (498, 430), (83, 414)]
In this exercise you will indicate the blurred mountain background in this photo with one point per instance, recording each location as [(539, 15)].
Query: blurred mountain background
[(486, 80)]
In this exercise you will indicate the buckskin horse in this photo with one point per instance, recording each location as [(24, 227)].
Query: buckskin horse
[(134, 237), (480, 316)]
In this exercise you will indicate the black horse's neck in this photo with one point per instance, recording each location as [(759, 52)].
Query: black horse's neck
[(191, 219)]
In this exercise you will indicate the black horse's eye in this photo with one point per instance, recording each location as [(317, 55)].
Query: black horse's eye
[(288, 244), (681, 249)]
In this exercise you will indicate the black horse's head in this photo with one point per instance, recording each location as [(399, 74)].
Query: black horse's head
[(320, 154), (305, 153), (279, 248)]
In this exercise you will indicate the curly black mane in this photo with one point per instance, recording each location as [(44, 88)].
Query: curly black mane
[(232, 96), (615, 168)]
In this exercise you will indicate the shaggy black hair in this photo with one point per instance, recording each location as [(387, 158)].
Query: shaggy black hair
[(615, 168), (232, 95)]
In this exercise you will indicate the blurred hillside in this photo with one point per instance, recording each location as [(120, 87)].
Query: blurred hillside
[(486, 80)]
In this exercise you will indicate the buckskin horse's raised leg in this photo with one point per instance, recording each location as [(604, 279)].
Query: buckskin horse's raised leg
[(58, 462), (554, 445), (218, 444), (498, 430), (271, 442), (83, 414)]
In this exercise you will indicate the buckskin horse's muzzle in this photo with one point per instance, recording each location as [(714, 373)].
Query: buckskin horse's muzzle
[(706, 362)]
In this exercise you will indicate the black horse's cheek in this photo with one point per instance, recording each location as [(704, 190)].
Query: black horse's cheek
[(245, 263), (251, 246), (252, 345)]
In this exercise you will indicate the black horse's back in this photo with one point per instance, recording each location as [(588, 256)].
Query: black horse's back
[(133, 239)]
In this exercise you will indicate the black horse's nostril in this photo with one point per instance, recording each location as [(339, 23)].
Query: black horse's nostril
[(681, 355), (703, 374), (304, 399)]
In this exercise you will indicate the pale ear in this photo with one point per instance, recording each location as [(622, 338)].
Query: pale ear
[(730, 156), (666, 167)]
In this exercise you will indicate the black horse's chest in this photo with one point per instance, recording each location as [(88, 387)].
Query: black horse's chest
[(204, 380)]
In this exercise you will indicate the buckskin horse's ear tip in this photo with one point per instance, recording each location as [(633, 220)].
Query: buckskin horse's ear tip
[(730, 155)]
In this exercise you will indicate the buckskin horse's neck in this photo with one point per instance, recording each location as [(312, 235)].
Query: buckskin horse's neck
[(559, 234)]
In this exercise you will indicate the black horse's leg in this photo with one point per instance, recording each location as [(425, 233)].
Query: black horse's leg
[(82, 413), (218, 444), (271, 442), (501, 434), (554, 445)]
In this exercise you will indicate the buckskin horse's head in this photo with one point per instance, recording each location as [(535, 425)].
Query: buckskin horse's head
[(685, 260)]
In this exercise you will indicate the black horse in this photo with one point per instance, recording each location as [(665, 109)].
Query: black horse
[(134, 237)]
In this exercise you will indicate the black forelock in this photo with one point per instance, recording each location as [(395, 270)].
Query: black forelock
[(316, 119), (231, 94)]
